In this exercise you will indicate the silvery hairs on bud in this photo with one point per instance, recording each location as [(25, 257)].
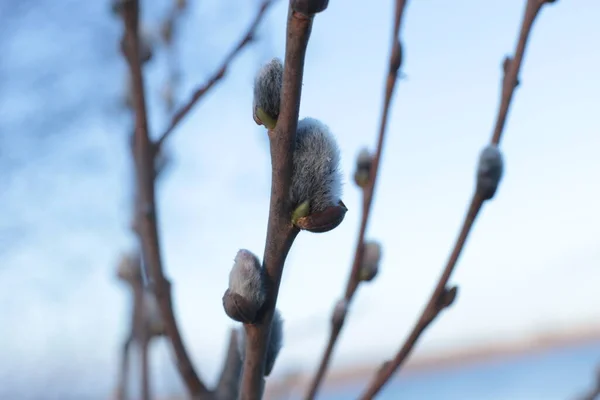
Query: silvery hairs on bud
[(245, 278), (267, 87), (129, 268), (274, 346), (489, 171), (152, 316), (370, 260), (316, 177)]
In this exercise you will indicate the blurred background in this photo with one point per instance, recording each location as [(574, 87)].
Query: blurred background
[(525, 324)]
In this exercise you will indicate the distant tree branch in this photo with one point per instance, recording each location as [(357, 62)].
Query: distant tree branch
[(229, 380), (594, 392), (443, 296), (147, 218), (368, 190), (218, 75)]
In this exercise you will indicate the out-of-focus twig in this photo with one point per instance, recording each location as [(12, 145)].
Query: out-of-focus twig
[(354, 279), (443, 296), (147, 217), (594, 392), (218, 75)]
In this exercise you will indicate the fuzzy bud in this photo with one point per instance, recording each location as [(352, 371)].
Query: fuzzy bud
[(274, 346), (369, 265), (154, 322), (181, 4), (489, 171), (267, 93), (364, 162), (129, 268), (316, 179), (166, 30), (145, 45), (116, 6), (162, 161), (168, 96), (246, 293), (339, 312)]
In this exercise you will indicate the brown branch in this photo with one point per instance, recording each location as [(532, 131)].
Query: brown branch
[(442, 297), (368, 190), (147, 218), (594, 392), (280, 230), (218, 75), (229, 380), (140, 335), (124, 368)]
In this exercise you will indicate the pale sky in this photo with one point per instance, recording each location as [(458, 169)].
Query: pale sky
[(531, 263)]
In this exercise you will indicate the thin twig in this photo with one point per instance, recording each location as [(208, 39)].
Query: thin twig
[(124, 370), (353, 278), (218, 75), (280, 230), (141, 336), (436, 304), (229, 380), (594, 392), (147, 219)]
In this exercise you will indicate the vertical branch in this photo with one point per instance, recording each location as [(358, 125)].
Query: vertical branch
[(442, 296), (141, 337), (353, 279), (229, 380), (594, 392), (280, 230), (124, 370), (147, 216)]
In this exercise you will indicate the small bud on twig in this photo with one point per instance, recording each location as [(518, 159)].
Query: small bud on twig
[(339, 312), (145, 45), (154, 323), (396, 59), (267, 93), (370, 261), (309, 7), (447, 297), (166, 30), (364, 162), (129, 268), (505, 67), (116, 6), (316, 180), (489, 171), (181, 4), (274, 346), (246, 293)]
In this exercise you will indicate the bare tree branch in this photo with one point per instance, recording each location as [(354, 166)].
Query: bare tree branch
[(229, 380), (218, 75), (594, 392), (442, 296), (368, 190), (280, 231), (147, 218)]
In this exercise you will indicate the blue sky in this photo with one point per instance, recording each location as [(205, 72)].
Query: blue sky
[(530, 264)]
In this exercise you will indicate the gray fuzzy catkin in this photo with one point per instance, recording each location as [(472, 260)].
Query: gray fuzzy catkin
[(246, 278), (316, 176), (371, 255), (489, 171), (274, 346), (267, 87)]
